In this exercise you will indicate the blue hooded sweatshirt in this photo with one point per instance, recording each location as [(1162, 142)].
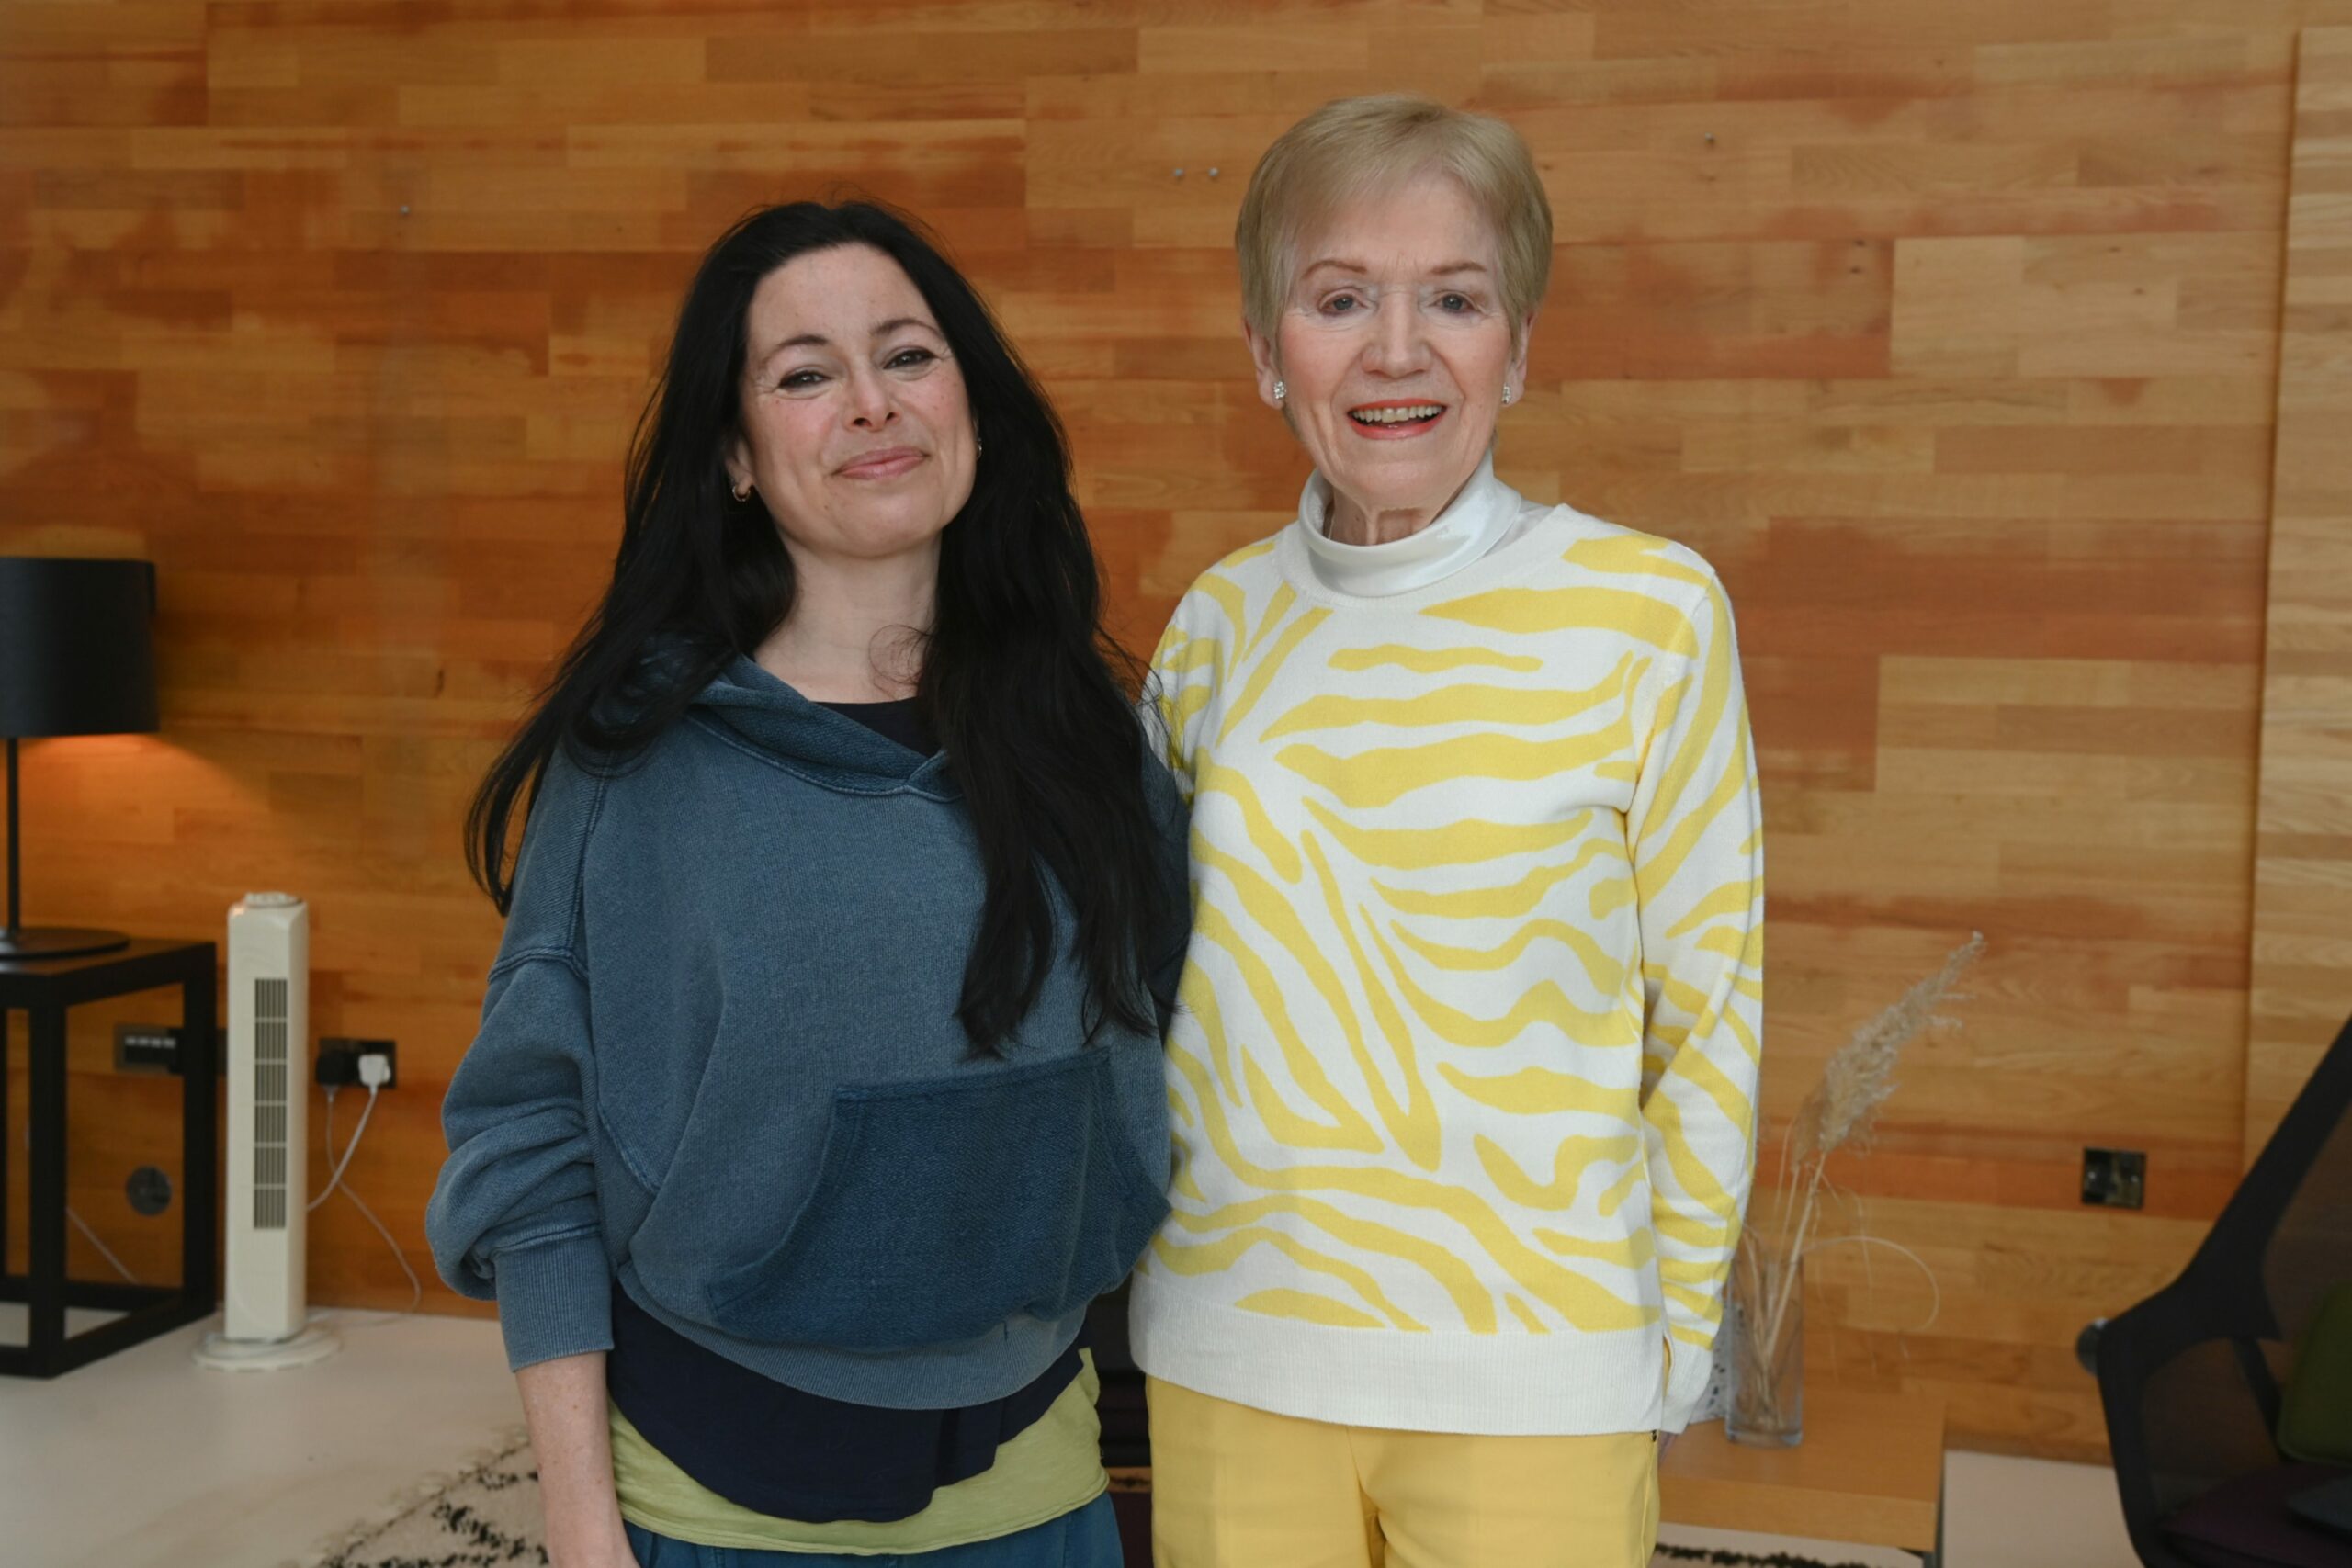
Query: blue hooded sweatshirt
[(719, 1061)]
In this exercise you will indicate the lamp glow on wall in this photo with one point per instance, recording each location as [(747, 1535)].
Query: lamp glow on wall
[(77, 658)]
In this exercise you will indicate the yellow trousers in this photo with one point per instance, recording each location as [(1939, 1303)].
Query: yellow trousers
[(1233, 1487)]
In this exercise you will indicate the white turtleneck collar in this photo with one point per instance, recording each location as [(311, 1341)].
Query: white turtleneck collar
[(1477, 520)]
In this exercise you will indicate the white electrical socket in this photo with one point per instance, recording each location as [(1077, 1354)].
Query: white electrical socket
[(360, 1051)]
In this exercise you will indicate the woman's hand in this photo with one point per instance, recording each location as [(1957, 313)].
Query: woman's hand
[(563, 1403)]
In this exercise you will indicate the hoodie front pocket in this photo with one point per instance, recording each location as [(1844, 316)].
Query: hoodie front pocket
[(943, 1208)]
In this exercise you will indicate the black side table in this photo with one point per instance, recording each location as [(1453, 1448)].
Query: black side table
[(45, 989)]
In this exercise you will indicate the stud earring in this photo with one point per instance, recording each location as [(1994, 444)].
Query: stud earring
[(1278, 394), (1506, 394)]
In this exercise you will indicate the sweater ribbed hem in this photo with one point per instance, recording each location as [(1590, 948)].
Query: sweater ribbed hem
[(1507, 1385)]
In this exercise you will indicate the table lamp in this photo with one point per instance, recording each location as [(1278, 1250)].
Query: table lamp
[(77, 658)]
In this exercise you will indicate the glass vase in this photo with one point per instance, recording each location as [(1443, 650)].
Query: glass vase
[(1768, 1317)]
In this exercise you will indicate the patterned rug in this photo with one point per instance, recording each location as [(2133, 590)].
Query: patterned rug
[(1716, 1558), (488, 1514)]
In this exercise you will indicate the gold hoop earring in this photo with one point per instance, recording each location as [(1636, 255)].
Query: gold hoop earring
[(743, 495)]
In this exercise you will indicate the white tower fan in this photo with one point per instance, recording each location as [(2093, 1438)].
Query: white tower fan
[(263, 1293)]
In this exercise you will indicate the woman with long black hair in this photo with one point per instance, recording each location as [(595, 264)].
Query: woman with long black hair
[(819, 1086)]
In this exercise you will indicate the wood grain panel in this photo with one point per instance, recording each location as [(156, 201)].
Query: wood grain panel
[(1871, 1470), (1948, 332), (2303, 903)]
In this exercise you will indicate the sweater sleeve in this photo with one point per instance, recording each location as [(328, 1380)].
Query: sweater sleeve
[(515, 1217), (1185, 672), (1696, 836)]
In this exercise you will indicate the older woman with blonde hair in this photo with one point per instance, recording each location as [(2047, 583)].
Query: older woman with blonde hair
[(1463, 1070)]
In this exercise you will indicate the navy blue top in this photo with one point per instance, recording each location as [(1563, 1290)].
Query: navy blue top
[(794, 1455), (800, 1456), (901, 721)]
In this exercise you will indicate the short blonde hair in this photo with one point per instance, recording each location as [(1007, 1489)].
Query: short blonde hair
[(1354, 147)]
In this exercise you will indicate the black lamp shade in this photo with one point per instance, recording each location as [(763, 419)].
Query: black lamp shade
[(76, 656)]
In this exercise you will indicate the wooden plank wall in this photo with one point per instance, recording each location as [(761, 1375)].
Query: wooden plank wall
[(2302, 896), (1948, 329)]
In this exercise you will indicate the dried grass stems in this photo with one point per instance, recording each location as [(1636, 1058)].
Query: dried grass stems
[(1842, 1109)]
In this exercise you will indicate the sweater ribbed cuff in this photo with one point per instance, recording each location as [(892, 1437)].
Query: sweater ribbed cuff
[(554, 1299)]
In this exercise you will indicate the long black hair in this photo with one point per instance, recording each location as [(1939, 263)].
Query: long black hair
[(1020, 681)]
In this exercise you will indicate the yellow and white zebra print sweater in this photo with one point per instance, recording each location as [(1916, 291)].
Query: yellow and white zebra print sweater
[(1465, 1063)]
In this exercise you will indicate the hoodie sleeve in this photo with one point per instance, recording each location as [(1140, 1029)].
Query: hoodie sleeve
[(513, 1217), (1697, 840)]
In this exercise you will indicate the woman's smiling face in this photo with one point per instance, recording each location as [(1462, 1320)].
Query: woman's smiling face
[(855, 430), (1393, 349)]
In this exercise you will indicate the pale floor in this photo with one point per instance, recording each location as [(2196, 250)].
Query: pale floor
[(145, 1460)]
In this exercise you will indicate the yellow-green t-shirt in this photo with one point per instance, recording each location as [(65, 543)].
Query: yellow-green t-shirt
[(1052, 1466)]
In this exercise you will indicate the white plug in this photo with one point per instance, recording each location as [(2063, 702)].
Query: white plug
[(375, 1069)]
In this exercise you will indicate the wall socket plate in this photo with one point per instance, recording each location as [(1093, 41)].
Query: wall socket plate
[(154, 1048), (2115, 1179), (338, 1045)]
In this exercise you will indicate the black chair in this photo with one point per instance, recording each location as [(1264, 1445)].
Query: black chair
[(2190, 1377)]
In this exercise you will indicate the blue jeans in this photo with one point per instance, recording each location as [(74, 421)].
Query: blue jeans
[(1083, 1538)]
